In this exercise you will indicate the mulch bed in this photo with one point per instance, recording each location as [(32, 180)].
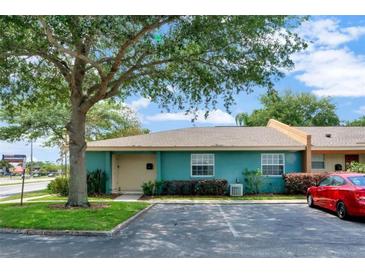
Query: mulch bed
[(92, 206)]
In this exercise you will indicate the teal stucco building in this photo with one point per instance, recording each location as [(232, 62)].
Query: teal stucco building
[(197, 153)]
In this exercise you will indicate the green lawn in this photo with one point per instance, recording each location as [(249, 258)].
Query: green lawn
[(26, 195), (42, 216), (245, 197)]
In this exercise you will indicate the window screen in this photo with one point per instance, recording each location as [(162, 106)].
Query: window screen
[(318, 161), (272, 164), (202, 165)]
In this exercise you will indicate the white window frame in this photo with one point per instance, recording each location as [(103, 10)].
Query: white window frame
[(324, 162), (191, 166), (262, 164)]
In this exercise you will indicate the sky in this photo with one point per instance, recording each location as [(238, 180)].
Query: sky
[(333, 65)]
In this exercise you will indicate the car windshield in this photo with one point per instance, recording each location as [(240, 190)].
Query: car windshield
[(358, 180)]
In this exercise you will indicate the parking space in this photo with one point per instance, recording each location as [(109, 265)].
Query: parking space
[(169, 230)]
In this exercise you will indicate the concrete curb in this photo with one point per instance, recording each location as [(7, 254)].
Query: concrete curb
[(89, 233), (229, 202), (127, 222)]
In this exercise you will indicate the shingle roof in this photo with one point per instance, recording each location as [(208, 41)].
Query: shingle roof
[(336, 136), (204, 137)]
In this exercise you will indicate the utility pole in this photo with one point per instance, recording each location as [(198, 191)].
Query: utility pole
[(31, 158)]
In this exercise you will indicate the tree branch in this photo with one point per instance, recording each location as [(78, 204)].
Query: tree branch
[(131, 42), (72, 53)]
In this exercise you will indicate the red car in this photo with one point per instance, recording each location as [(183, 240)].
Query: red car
[(343, 193)]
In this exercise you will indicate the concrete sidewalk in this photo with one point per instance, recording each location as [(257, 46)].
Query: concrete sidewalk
[(128, 198), (15, 201)]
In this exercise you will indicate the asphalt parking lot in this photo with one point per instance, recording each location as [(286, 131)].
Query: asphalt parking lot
[(169, 230)]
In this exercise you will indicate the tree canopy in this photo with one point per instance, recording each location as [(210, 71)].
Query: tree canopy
[(188, 62), (4, 164), (48, 119), (43, 167), (360, 122), (297, 109), (197, 58)]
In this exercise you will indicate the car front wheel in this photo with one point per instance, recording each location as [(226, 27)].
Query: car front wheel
[(341, 210), (310, 200)]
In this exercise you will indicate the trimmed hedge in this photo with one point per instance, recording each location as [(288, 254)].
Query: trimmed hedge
[(298, 183), (193, 187)]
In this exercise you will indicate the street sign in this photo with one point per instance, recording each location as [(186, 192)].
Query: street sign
[(16, 158)]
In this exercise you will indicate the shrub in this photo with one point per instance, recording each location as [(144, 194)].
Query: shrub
[(298, 183), (356, 167), (96, 182), (148, 188), (59, 185), (211, 187), (193, 187), (253, 179), (178, 188)]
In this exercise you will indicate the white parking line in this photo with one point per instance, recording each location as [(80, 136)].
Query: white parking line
[(230, 226)]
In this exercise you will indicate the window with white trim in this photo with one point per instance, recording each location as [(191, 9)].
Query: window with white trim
[(318, 161), (272, 164), (202, 165)]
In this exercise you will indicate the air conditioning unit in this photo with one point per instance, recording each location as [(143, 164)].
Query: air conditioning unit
[(236, 190)]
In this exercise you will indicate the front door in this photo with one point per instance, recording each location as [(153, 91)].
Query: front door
[(133, 170), (350, 158)]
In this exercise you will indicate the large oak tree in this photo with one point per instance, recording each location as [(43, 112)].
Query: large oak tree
[(188, 62)]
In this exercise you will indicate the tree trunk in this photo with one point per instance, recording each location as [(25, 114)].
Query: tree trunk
[(76, 129)]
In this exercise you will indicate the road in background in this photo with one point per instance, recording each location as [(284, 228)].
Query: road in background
[(18, 180), (9, 190)]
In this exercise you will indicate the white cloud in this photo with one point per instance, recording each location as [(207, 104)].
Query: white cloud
[(327, 32), (139, 104), (332, 72), (215, 117), (361, 110), (328, 66)]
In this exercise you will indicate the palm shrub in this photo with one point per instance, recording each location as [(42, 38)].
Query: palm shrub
[(151, 188), (148, 187), (253, 179), (96, 182)]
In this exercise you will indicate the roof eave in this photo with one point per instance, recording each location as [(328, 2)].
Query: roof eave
[(338, 148), (195, 148)]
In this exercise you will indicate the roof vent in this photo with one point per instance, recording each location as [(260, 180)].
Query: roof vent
[(328, 135)]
